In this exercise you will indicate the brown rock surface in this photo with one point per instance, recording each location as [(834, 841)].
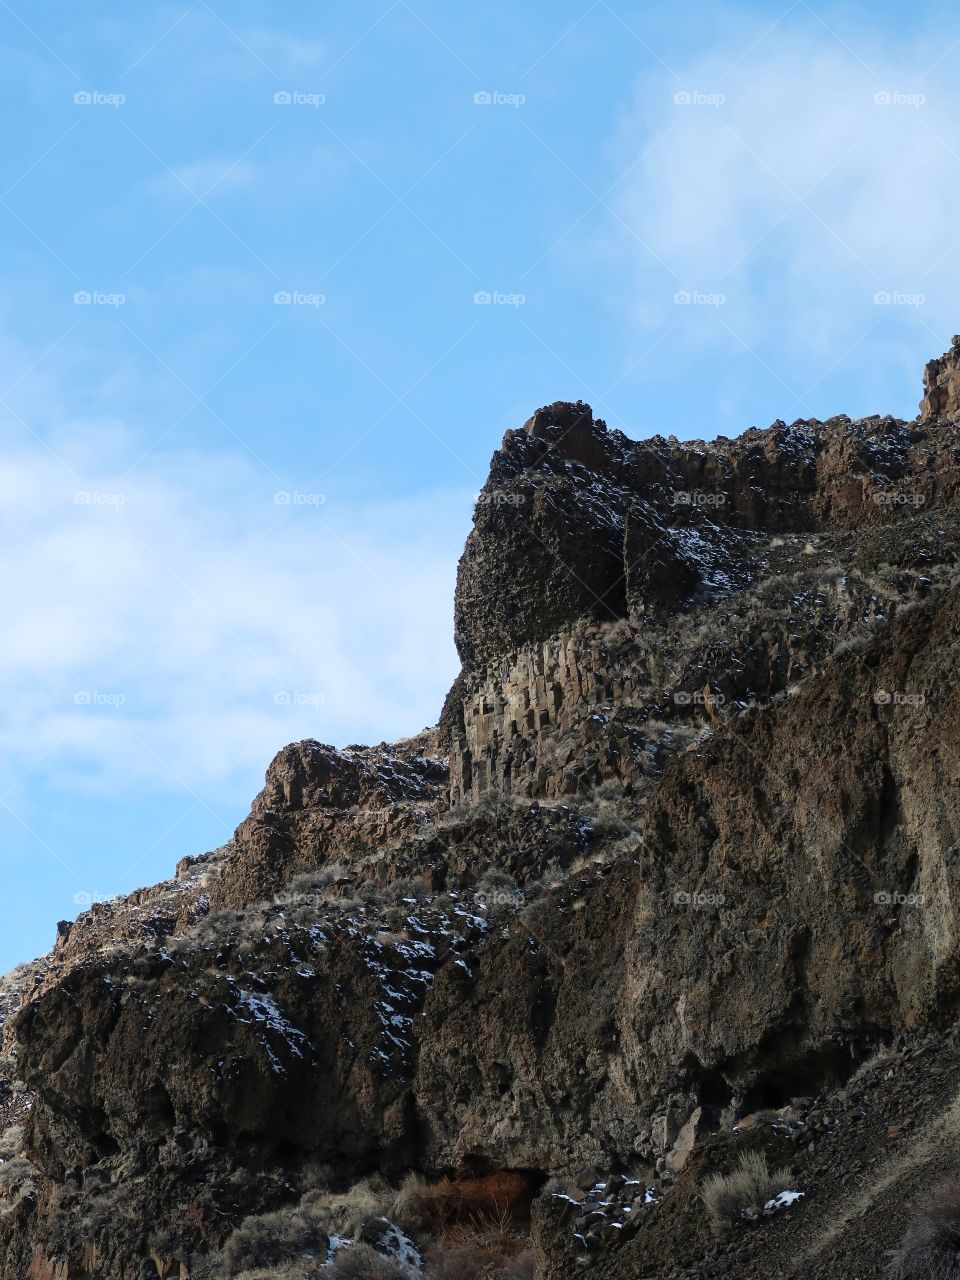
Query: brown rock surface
[(941, 386)]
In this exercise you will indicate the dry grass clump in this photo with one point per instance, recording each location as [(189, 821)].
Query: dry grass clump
[(180, 945), (560, 1185), (608, 822), (362, 1262), (404, 887), (422, 1205), (489, 804), (498, 889), (613, 631), (488, 1247), (17, 1180), (609, 789), (273, 1240), (478, 1260), (303, 1270), (931, 1245), (521, 1266), (344, 1213), (883, 1057), (12, 1141), (751, 1184), (319, 877)]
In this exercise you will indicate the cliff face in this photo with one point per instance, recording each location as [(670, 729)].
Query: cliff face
[(683, 846), (941, 386), (578, 527)]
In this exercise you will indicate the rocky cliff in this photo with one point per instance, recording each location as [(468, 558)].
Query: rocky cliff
[(678, 866)]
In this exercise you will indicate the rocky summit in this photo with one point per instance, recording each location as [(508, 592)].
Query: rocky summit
[(643, 962)]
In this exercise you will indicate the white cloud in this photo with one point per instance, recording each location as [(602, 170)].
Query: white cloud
[(827, 174), (167, 625)]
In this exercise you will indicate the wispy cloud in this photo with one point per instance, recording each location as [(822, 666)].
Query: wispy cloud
[(802, 193), (233, 50), (164, 624), (199, 176), (284, 51)]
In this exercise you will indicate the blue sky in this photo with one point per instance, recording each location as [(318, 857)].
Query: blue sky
[(276, 280)]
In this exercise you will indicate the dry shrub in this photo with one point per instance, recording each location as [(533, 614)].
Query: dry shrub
[(883, 1057), (426, 1206), (931, 1245), (361, 1262), (288, 1271), (345, 1212), (268, 1240), (749, 1186), (483, 1255), (431, 1206), (609, 789), (608, 822), (17, 1178), (498, 885), (12, 1142), (520, 1267), (560, 1185), (467, 1261)]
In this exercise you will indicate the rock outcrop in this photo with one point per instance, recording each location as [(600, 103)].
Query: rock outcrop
[(683, 851), (941, 386)]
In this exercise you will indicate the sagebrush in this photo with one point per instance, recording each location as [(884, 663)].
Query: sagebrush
[(727, 1196)]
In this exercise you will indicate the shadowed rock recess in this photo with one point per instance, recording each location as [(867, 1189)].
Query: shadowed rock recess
[(675, 879)]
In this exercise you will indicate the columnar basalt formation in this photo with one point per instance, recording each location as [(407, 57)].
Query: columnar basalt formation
[(941, 386)]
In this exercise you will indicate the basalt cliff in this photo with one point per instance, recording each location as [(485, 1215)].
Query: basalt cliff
[(673, 884)]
